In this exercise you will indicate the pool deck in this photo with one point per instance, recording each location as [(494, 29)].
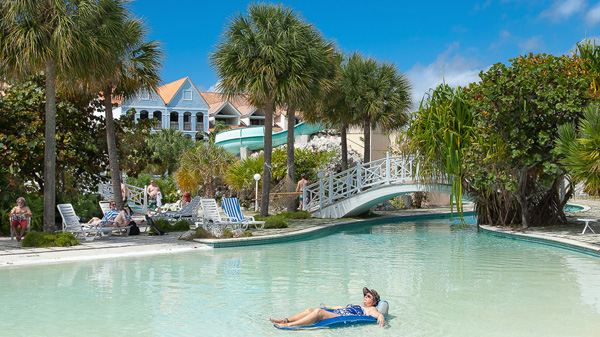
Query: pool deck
[(12, 253)]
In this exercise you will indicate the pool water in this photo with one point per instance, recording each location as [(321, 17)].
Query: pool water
[(439, 279)]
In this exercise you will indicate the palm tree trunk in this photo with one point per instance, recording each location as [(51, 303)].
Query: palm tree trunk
[(290, 177), (344, 144), (113, 160), (50, 150), (266, 181), (367, 137)]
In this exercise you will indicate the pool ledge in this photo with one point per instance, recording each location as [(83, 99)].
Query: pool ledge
[(573, 243), (319, 229)]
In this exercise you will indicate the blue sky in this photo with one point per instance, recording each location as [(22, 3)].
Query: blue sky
[(428, 41)]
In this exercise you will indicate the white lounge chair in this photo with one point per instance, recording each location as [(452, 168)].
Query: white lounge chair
[(71, 224), (188, 212), (214, 223), (231, 207)]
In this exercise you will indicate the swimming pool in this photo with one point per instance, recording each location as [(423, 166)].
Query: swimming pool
[(440, 280)]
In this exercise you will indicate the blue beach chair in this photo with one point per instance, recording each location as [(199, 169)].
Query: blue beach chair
[(232, 208)]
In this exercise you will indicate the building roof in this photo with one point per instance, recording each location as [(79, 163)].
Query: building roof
[(167, 91)]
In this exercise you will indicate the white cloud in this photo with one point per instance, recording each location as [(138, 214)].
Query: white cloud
[(593, 15), (449, 66), (532, 44), (563, 9), (213, 88)]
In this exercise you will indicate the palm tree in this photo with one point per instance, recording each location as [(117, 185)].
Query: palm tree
[(131, 65), (380, 95), (321, 67), (262, 54), (57, 38)]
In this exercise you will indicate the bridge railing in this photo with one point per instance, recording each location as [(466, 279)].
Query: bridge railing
[(333, 188), (136, 196)]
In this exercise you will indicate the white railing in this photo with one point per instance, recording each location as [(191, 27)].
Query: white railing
[(136, 196), (333, 188)]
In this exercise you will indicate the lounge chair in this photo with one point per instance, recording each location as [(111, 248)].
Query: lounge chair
[(71, 224), (232, 208), (213, 223), (188, 212)]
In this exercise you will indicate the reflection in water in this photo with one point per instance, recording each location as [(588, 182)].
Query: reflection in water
[(440, 280)]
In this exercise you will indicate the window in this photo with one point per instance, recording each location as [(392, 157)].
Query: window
[(145, 96), (187, 95)]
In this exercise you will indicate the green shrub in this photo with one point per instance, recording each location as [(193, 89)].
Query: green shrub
[(295, 215), (201, 233), (398, 203), (48, 239), (165, 226), (275, 222)]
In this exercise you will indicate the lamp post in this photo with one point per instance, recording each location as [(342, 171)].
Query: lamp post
[(257, 178)]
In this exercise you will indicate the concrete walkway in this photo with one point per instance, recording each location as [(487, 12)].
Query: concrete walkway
[(13, 253)]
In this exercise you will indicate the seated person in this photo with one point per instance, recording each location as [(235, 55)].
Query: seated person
[(18, 216), (112, 217), (185, 199), (311, 316)]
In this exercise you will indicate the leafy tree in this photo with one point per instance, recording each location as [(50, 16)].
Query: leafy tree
[(262, 54), (378, 93), (57, 38), (166, 147), (497, 137), (81, 155), (132, 143)]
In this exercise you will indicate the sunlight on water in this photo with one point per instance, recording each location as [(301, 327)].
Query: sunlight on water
[(440, 280)]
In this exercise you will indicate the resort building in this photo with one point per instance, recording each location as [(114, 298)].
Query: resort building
[(179, 105)]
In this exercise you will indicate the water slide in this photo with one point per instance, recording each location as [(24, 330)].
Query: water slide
[(252, 137)]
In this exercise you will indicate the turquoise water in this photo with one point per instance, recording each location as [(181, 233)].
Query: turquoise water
[(440, 280)]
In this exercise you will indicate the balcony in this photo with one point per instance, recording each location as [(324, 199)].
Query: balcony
[(187, 126), (157, 127), (199, 126), (175, 125)]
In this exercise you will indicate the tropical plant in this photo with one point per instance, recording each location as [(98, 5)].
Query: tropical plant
[(166, 146), (202, 169), (580, 150), (262, 54), (57, 38), (240, 175), (589, 52), (379, 94)]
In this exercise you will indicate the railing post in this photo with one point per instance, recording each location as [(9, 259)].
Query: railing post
[(145, 200), (331, 196), (359, 179), (388, 168), (303, 197), (320, 175)]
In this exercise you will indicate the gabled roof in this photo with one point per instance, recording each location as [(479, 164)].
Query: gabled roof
[(167, 91)]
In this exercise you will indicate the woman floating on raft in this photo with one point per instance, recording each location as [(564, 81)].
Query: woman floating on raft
[(310, 316)]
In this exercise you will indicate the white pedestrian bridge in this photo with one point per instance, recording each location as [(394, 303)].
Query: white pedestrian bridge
[(356, 190)]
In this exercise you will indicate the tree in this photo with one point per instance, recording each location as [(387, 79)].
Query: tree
[(80, 153), (380, 95), (56, 37), (166, 147), (262, 54), (131, 65)]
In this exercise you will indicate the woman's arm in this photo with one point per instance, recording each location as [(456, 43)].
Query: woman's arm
[(373, 312)]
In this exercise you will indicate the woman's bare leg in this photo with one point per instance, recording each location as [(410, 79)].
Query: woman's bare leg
[(292, 318), (121, 220), (310, 318)]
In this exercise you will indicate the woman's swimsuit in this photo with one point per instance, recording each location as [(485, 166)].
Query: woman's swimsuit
[(350, 310)]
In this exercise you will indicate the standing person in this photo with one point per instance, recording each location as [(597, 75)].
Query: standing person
[(19, 215), (300, 187), (153, 191), (126, 207)]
